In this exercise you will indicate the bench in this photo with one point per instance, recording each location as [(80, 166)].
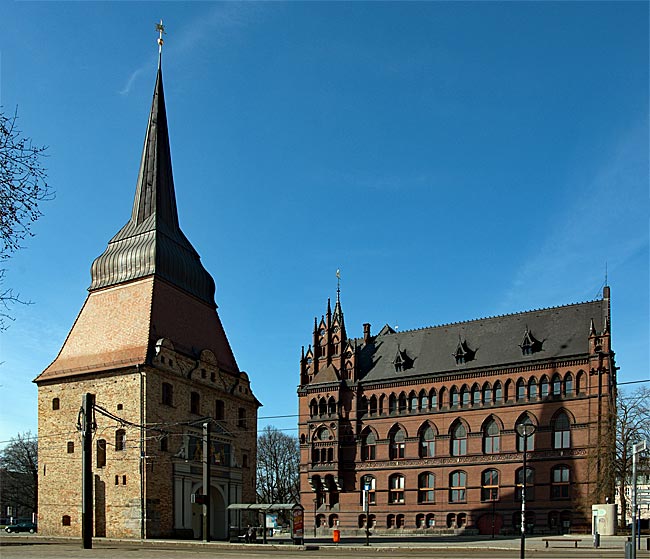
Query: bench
[(574, 540)]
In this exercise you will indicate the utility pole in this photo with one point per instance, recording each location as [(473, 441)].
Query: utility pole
[(206, 481), (87, 408)]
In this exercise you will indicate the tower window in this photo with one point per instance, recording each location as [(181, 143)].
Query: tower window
[(195, 403), (120, 439), (167, 394), (70, 447), (56, 403)]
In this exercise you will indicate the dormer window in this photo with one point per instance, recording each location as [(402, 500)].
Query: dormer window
[(463, 353), (402, 361), (530, 344)]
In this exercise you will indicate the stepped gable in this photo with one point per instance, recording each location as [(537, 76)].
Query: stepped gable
[(496, 341)]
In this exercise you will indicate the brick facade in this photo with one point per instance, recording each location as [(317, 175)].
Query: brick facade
[(149, 344), (439, 447)]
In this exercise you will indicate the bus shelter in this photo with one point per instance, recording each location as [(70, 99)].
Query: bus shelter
[(240, 515)]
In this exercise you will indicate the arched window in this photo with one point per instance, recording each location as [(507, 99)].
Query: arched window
[(419, 521), (580, 382), (455, 399), (433, 399), (390, 521), (392, 403), (476, 395), (568, 384), (442, 398), (530, 484), (322, 406), (556, 385), (426, 488), (487, 394), (457, 487), (521, 390), (120, 439), (464, 396), (372, 406), (427, 442), (323, 434), (56, 403), (491, 437), (423, 400), (399, 521), (413, 402), (490, 485), (397, 444), (368, 446), (561, 431), (532, 389), (65, 520), (382, 404), (313, 407), (507, 392), (458, 439), (498, 393), (369, 483), (530, 440), (543, 387), (396, 488), (560, 480), (431, 520), (402, 402), (363, 406), (331, 406)]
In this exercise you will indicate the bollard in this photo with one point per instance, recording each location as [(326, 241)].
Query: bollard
[(629, 550), (336, 536), (596, 540)]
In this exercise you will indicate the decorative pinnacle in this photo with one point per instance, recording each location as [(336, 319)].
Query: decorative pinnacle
[(161, 31), (338, 286)]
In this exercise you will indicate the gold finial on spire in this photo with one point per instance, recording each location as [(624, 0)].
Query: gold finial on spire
[(161, 31), (338, 286)]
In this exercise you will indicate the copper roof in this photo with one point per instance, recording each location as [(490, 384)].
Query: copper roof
[(152, 241)]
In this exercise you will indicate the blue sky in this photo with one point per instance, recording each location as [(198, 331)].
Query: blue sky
[(454, 160)]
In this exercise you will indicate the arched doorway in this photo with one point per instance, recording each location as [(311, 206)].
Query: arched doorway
[(485, 524), (218, 523)]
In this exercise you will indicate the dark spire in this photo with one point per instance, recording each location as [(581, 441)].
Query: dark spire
[(152, 241)]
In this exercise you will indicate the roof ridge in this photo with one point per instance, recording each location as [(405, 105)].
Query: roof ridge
[(496, 316)]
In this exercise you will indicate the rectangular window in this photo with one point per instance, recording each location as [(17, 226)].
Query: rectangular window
[(167, 394), (101, 453), (396, 491), (70, 447), (241, 418), (195, 403), (219, 410)]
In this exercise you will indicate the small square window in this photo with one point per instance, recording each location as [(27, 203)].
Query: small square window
[(70, 447)]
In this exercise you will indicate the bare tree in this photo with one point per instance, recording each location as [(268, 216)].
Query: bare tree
[(23, 186), (278, 467), (632, 426), (19, 470)]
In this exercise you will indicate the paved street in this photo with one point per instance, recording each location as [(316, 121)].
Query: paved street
[(18, 546)]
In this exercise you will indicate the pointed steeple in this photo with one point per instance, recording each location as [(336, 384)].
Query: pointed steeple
[(152, 241)]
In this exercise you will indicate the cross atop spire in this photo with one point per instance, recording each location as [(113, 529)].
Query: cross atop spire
[(161, 31)]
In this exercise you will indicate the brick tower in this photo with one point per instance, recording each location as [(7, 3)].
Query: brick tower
[(148, 342)]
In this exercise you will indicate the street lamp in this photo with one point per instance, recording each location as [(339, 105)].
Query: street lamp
[(524, 430), (636, 449)]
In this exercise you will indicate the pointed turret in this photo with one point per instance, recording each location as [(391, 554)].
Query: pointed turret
[(152, 241)]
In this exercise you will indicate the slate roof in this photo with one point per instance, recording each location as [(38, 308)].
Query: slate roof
[(495, 340), (152, 241)]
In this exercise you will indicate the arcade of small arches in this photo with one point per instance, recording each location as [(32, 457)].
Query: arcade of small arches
[(487, 394)]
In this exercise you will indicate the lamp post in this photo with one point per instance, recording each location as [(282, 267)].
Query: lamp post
[(524, 430), (636, 449)]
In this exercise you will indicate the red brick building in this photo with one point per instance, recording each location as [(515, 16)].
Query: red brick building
[(149, 344), (426, 419)]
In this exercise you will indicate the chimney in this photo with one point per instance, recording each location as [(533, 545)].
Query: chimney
[(366, 333)]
